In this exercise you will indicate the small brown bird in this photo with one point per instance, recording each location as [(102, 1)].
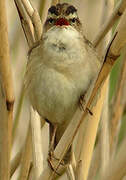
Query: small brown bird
[(60, 69)]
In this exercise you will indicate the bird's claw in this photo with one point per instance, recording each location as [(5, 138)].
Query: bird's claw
[(81, 102), (81, 105), (52, 157)]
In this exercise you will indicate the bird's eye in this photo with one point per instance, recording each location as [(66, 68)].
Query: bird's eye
[(73, 20), (50, 20)]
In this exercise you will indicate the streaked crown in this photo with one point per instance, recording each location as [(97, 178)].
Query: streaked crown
[(62, 15)]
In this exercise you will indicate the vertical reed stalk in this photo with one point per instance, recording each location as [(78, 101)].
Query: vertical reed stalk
[(7, 96)]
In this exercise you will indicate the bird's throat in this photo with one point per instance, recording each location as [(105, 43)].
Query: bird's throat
[(62, 37)]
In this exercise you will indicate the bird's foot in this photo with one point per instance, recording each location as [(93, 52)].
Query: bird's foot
[(52, 158), (51, 152), (81, 102), (81, 105), (89, 111)]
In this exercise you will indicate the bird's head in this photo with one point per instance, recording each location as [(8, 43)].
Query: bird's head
[(61, 16)]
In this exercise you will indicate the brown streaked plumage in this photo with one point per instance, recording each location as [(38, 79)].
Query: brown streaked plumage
[(62, 9)]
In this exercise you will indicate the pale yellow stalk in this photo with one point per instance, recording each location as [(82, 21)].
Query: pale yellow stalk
[(88, 130), (104, 128), (118, 105), (42, 8), (30, 20), (95, 162), (6, 96), (91, 131), (116, 169), (79, 171), (17, 114), (70, 172), (104, 133), (26, 157), (35, 18), (26, 23), (36, 144), (110, 22), (15, 162), (4, 153)]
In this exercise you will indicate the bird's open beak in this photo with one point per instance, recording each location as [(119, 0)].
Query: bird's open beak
[(62, 22)]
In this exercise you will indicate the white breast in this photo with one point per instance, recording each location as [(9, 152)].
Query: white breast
[(65, 42), (57, 74)]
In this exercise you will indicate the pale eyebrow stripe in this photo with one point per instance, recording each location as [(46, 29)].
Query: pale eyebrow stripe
[(71, 16)]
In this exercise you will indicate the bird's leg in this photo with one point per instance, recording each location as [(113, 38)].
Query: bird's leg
[(81, 102), (52, 129)]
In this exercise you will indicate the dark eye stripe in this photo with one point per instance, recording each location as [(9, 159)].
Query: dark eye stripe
[(53, 10), (50, 20), (71, 9)]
